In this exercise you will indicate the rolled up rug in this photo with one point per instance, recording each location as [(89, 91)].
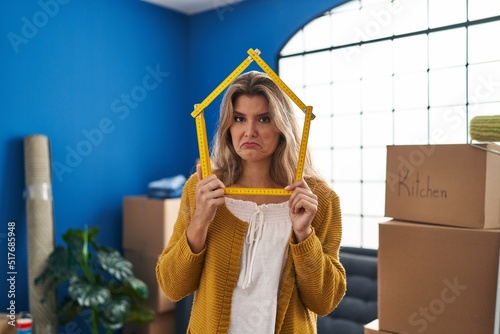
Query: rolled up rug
[(40, 226), (485, 128)]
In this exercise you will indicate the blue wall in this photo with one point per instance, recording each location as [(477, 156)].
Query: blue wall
[(84, 67), (66, 71)]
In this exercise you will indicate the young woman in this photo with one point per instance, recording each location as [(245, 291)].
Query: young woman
[(257, 264)]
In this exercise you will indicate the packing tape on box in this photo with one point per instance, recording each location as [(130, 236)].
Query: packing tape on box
[(485, 128), (40, 227)]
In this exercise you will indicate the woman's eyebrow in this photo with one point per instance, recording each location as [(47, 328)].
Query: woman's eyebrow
[(267, 113)]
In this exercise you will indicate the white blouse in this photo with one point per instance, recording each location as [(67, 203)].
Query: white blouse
[(253, 307)]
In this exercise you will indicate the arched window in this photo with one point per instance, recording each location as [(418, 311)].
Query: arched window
[(382, 72)]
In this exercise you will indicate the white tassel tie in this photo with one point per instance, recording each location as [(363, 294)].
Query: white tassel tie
[(254, 235)]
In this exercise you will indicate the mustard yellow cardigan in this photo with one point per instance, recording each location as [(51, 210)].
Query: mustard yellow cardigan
[(313, 281)]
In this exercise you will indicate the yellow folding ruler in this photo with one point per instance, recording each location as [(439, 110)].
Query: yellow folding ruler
[(254, 55)]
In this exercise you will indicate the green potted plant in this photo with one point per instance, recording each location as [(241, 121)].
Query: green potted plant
[(98, 280)]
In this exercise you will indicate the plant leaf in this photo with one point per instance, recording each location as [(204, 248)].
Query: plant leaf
[(115, 264), (111, 325), (56, 266), (139, 288), (74, 239), (92, 234), (67, 310), (116, 310), (72, 234), (88, 294), (140, 314), (58, 269)]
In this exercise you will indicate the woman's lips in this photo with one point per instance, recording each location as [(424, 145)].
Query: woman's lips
[(250, 145)]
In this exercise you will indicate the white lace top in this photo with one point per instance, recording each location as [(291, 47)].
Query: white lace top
[(253, 307)]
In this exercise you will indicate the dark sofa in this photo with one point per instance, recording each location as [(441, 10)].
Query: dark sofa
[(357, 308), (359, 305)]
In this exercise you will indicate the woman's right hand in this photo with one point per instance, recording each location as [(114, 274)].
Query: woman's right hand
[(209, 196)]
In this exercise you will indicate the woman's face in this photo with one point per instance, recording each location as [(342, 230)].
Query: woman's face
[(253, 134)]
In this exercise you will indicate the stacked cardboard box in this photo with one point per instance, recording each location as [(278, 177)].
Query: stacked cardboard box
[(5, 327), (439, 257), (147, 227), (373, 328)]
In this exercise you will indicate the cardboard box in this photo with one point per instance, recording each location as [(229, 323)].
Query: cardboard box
[(5, 328), (437, 279), (455, 185), (145, 269), (373, 328), (148, 223), (497, 307), (164, 323)]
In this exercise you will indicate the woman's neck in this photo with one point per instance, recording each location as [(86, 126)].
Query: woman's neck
[(256, 176)]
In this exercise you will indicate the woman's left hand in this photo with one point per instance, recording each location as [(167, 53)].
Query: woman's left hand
[(303, 205)]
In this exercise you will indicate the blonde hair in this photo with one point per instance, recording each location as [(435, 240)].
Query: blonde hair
[(227, 163)]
